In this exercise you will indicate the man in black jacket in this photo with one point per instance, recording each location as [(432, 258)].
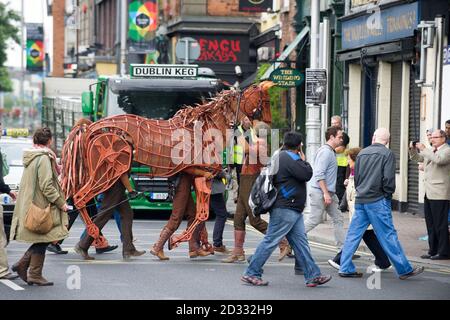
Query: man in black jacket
[(286, 217), (375, 184)]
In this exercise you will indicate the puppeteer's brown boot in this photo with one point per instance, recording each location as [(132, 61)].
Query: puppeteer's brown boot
[(35, 271), (238, 251), (157, 249), (21, 266), (285, 249)]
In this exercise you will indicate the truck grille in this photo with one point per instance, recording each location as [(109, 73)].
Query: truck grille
[(146, 184)]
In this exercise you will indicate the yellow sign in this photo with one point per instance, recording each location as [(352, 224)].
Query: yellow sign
[(18, 132)]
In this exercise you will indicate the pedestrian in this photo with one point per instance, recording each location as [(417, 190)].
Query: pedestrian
[(182, 205), (286, 215), (4, 188), (323, 186), (341, 158), (436, 166), (114, 198), (39, 186), (218, 206), (250, 171), (369, 237), (375, 184)]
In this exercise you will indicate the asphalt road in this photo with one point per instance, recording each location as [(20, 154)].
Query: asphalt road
[(145, 277)]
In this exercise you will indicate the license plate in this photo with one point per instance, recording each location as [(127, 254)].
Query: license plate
[(159, 196)]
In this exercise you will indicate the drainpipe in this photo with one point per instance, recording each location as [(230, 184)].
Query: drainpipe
[(123, 37)]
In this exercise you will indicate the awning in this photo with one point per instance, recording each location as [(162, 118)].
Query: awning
[(286, 52), (248, 81)]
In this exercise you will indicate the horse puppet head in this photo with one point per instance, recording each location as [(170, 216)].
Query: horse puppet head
[(255, 102)]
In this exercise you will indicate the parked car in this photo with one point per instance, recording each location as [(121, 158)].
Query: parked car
[(13, 148)]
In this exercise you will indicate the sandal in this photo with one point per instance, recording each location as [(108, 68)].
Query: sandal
[(255, 281)]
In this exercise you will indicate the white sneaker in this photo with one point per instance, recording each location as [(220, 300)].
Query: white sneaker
[(375, 268), (333, 264)]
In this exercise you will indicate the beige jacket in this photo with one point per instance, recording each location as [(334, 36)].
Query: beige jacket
[(39, 182), (351, 196), (436, 171)]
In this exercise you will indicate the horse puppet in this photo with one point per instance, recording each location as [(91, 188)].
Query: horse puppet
[(95, 156)]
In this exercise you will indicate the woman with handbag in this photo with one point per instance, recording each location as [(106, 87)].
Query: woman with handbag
[(40, 214)]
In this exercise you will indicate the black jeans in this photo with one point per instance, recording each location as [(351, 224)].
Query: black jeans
[(371, 240), (38, 248), (218, 206), (436, 219)]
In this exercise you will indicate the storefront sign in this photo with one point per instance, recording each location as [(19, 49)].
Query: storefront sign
[(142, 25), (223, 49), (163, 71), (35, 47), (287, 77), (381, 26), (357, 3), (316, 86), (255, 5)]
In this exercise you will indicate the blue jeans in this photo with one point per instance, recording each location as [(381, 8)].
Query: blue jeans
[(284, 223), (379, 215)]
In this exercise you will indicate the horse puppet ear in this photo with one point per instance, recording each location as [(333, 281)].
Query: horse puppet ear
[(266, 85)]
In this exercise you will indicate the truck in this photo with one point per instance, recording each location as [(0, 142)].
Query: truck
[(152, 91)]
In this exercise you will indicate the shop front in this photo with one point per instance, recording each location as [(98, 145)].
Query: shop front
[(379, 50), (224, 44)]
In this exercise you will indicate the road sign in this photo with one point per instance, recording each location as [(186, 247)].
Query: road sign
[(163, 70), (187, 50), (316, 86), (287, 77)]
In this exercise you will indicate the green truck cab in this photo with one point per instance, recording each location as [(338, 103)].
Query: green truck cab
[(158, 96)]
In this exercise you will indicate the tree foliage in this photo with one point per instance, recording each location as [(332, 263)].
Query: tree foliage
[(278, 120), (8, 31)]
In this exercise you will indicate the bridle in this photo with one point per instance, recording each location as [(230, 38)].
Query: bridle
[(255, 112)]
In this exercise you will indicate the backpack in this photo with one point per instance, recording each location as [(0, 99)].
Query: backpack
[(263, 194)]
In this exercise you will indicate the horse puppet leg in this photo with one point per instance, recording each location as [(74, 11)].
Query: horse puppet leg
[(203, 194), (109, 158)]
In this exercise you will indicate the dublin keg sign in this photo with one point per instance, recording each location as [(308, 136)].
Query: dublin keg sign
[(287, 77)]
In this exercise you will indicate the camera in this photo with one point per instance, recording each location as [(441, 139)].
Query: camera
[(414, 143)]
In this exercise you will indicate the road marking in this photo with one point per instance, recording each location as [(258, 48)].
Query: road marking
[(12, 285)]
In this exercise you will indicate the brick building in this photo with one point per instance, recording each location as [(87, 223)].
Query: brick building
[(223, 32)]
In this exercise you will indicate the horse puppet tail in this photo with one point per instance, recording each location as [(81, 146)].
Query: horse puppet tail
[(73, 173)]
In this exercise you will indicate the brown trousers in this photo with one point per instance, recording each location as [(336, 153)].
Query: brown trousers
[(183, 205), (243, 210), (113, 196)]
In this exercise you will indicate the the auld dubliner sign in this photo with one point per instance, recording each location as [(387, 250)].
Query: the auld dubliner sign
[(381, 26), (163, 70)]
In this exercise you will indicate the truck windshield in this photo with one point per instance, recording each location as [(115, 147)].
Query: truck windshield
[(154, 105)]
